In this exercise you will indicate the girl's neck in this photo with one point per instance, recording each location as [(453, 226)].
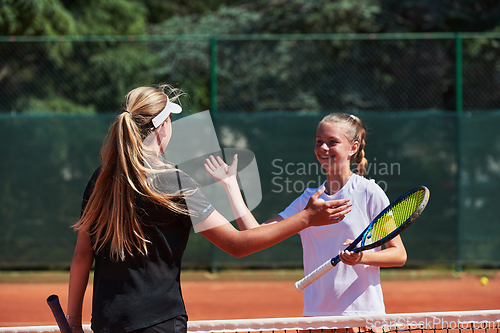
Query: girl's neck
[(334, 182)]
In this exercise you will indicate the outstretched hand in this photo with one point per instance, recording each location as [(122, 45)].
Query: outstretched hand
[(219, 170), (326, 212)]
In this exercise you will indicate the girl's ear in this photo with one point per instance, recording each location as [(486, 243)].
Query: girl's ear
[(162, 128), (354, 149)]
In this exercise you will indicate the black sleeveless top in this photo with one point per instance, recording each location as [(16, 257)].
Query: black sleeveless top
[(142, 291)]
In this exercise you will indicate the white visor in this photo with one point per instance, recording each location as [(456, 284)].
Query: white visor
[(163, 115)]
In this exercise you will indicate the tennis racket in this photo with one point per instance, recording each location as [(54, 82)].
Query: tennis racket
[(388, 224), (57, 311)]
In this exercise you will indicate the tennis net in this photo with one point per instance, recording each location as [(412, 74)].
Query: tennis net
[(429, 322)]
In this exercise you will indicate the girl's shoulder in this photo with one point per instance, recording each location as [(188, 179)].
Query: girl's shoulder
[(368, 188), (366, 184)]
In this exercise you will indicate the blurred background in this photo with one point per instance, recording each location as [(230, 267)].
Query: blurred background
[(424, 77)]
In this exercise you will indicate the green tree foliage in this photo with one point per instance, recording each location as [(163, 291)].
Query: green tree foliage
[(161, 10), (109, 17), (264, 75), (35, 17), (322, 75), (480, 55), (439, 16), (77, 77), (87, 77), (81, 77), (321, 16)]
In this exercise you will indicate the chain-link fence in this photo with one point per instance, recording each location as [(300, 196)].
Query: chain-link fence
[(429, 102), (254, 73)]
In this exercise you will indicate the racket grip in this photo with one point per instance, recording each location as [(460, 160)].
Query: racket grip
[(314, 275), (57, 311)]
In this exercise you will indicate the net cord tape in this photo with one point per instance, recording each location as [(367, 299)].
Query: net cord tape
[(489, 319)]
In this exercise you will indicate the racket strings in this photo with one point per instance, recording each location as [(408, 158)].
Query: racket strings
[(395, 217)]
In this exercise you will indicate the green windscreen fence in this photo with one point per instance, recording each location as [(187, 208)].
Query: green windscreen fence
[(47, 160), (254, 73)]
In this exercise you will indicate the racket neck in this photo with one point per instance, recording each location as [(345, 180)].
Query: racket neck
[(356, 242)]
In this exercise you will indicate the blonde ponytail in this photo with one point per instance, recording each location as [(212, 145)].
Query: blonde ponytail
[(362, 162)]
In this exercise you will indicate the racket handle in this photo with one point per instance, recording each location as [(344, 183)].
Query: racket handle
[(57, 311), (314, 275)]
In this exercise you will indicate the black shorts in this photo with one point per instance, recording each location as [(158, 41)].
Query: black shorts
[(174, 325)]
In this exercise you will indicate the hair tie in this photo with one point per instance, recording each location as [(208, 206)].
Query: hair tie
[(128, 112), (353, 117)]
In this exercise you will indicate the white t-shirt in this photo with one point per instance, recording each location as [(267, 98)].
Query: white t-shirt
[(345, 290)]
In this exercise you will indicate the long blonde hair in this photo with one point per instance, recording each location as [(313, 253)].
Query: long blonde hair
[(110, 215), (356, 133)]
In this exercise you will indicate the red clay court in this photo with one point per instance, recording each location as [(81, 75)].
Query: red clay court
[(208, 296)]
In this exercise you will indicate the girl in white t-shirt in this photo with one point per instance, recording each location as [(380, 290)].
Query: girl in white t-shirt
[(352, 288)]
